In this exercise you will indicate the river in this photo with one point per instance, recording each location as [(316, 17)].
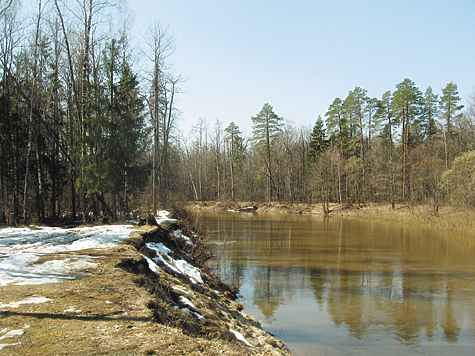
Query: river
[(343, 286)]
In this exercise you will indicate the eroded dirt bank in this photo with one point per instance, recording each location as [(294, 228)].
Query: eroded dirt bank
[(129, 307)]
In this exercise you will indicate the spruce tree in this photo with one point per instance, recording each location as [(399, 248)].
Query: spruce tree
[(318, 142)]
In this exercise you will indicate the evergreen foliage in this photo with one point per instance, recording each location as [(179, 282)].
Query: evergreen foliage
[(318, 141)]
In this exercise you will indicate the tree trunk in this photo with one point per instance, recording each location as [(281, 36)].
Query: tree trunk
[(27, 169), (2, 204), (40, 198)]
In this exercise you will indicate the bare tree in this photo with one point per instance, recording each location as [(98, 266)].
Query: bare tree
[(32, 103), (218, 133), (4, 7), (287, 141), (159, 47)]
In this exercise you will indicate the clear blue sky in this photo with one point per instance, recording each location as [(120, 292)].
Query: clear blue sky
[(299, 55)]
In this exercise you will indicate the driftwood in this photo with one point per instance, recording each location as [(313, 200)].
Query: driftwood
[(247, 209)]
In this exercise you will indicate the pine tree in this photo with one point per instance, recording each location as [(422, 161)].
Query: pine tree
[(388, 141), (337, 124), (429, 112), (449, 106), (358, 107), (267, 126), (406, 107), (450, 111)]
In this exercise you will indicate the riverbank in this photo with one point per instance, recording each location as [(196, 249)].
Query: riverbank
[(150, 295), (448, 218)]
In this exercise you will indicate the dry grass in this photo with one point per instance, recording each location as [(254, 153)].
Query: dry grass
[(124, 309)]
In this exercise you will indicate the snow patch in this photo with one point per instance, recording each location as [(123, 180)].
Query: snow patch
[(152, 265), (10, 334), (187, 302), (3, 345), (36, 299), (240, 337), (179, 234), (197, 316), (73, 309), (163, 216), (178, 266), (20, 249), (192, 272), (181, 290)]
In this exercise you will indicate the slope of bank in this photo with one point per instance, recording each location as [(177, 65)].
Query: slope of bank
[(145, 296)]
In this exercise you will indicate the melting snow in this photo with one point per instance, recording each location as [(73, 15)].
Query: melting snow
[(36, 299), (179, 266), (187, 302), (183, 291), (20, 249), (198, 316), (240, 337), (3, 345), (179, 234), (12, 333), (152, 265), (162, 216), (73, 309)]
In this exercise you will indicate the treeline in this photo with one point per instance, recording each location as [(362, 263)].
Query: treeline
[(80, 128), (84, 133), (399, 148)]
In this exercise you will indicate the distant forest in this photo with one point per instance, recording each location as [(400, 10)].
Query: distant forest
[(84, 133)]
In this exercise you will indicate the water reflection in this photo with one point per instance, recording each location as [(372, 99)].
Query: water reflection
[(347, 286)]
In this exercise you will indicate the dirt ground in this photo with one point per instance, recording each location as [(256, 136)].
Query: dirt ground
[(123, 308)]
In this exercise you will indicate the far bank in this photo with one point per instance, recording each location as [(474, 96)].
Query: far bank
[(456, 219)]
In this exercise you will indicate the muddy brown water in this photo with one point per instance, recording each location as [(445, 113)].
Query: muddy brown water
[(343, 286)]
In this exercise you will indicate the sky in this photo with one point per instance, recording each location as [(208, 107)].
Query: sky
[(300, 55)]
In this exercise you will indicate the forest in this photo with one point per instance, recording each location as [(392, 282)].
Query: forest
[(84, 132)]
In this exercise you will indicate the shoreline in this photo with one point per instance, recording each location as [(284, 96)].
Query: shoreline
[(124, 307), (451, 219), (127, 305)]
